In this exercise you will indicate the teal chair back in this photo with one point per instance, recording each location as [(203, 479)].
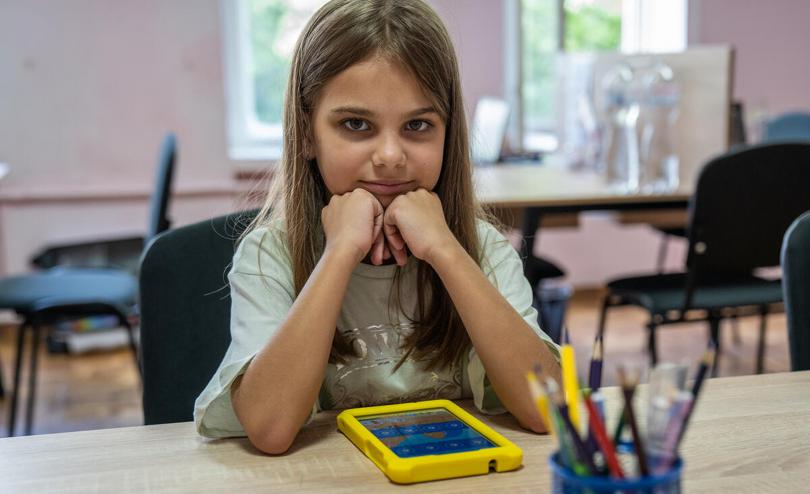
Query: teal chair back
[(796, 287), (185, 313), (793, 126)]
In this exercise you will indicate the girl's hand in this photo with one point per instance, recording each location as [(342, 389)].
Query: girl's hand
[(416, 220), (352, 223)]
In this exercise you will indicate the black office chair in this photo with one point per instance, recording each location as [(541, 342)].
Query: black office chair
[(743, 203), (59, 293), (796, 287), (185, 313), (793, 127), (737, 140)]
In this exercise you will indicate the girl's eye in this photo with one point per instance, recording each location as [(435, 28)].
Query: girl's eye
[(355, 124), (418, 125)]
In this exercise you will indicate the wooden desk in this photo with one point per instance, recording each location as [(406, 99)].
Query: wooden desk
[(556, 188), (749, 434), (520, 194)]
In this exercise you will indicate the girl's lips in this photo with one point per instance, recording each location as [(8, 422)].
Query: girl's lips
[(387, 188)]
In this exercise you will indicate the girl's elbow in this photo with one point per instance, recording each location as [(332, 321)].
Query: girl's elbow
[(272, 440), (534, 424)]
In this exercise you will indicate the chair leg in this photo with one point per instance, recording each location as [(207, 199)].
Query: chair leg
[(763, 316), (735, 330), (2, 388), (32, 378), (652, 346), (714, 331), (662, 253), (134, 347), (15, 389)]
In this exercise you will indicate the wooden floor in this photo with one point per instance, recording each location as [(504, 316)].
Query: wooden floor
[(101, 390)]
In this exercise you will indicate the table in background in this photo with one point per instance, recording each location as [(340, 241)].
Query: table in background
[(749, 434), (522, 193)]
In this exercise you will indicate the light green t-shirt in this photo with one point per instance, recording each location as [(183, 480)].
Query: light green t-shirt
[(262, 293)]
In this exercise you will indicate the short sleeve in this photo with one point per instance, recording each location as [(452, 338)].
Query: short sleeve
[(502, 265), (262, 292)]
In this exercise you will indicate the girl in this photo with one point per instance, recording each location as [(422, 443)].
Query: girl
[(372, 279)]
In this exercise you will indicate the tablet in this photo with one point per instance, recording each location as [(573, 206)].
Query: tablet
[(428, 440)]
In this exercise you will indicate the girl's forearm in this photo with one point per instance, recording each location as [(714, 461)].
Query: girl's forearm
[(505, 343), (274, 397)]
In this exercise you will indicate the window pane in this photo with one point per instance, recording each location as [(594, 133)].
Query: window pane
[(274, 28), (539, 33), (593, 25)]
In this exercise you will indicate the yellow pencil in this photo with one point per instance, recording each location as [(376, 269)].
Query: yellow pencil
[(540, 399), (569, 377)]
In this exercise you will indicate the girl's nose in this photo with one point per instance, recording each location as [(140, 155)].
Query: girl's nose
[(389, 152)]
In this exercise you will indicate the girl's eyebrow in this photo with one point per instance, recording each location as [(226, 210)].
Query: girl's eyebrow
[(364, 112)]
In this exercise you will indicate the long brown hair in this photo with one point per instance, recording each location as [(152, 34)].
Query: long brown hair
[(340, 34)]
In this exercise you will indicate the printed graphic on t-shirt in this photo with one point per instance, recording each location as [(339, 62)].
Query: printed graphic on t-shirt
[(367, 378)]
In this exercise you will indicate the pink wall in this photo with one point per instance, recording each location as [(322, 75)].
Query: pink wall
[(87, 88), (476, 27), (772, 41)]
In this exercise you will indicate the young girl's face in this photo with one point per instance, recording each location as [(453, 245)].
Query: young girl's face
[(373, 128)]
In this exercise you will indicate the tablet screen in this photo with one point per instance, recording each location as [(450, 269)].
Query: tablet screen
[(433, 431)]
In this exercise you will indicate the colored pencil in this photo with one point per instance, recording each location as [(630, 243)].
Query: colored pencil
[(578, 446), (569, 377), (540, 399), (601, 437), (567, 452), (628, 389), (595, 376)]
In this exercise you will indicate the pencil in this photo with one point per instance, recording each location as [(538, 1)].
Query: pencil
[(540, 399), (628, 389), (600, 435), (705, 365), (569, 377), (595, 376)]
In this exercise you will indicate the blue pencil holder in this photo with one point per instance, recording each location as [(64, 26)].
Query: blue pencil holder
[(565, 481)]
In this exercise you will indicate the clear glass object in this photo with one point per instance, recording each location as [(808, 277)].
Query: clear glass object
[(660, 99), (620, 111)]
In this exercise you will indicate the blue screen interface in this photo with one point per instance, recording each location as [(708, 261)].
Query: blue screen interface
[(433, 431)]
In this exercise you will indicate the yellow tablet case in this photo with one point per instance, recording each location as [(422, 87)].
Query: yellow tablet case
[(501, 457)]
